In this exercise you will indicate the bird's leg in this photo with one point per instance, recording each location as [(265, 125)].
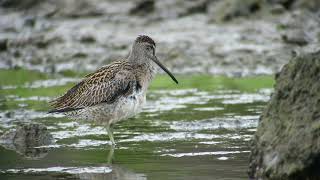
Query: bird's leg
[(110, 134), (110, 156)]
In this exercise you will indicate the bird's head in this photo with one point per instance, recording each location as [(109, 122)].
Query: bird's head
[(143, 50)]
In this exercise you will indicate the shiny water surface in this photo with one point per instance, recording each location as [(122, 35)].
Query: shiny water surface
[(200, 129)]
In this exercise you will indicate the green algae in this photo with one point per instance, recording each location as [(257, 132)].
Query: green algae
[(19, 76)]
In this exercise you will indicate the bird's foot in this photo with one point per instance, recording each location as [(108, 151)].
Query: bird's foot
[(113, 144)]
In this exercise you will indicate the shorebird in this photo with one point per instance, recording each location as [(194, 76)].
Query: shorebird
[(114, 92)]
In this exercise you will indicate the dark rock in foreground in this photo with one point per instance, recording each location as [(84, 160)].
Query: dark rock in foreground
[(287, 142)]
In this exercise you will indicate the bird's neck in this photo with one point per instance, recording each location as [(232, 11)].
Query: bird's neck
[(145, 73)]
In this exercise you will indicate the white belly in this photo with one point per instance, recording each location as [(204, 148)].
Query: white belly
[(104, 113), (128, 107)]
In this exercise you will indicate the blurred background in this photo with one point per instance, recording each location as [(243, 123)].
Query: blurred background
[(224, 53), (207, 36)]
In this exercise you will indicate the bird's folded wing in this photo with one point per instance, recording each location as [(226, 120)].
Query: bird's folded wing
[(95, 90)]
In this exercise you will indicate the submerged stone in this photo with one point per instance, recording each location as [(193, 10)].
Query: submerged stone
[(286, 144), (26, 140)]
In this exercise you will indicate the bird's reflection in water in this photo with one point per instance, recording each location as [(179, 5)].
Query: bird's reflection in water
[(117, 172)]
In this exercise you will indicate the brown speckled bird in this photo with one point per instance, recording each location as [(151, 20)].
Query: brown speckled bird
[(114, 92)]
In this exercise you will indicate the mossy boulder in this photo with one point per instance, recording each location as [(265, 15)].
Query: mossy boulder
[(287, 142)]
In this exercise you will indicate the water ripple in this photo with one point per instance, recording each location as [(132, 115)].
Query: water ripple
[(203, 153), (69, 170)]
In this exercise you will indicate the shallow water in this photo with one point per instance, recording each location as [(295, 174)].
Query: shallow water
[(187, 132)]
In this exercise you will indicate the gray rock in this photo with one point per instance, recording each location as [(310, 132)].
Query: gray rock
[(70, 8), (25, 138), (313, 5), (194, 7), (277, 9), (295, 36), (226, 10), (75, 8), (286, 144), (37, 40), (3, 44), (143, 7), (300, 28), (88, 38), (168, 9), (18, 3), (285, 3)]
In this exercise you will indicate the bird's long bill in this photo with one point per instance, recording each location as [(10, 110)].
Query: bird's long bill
[(155, 59)]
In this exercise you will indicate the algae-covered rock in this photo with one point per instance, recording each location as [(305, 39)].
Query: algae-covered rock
[(287, 142)]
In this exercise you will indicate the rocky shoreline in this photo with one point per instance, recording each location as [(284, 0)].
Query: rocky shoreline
[(193, 36)]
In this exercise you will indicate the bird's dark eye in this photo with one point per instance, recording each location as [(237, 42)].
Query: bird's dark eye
[(150, 48)]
